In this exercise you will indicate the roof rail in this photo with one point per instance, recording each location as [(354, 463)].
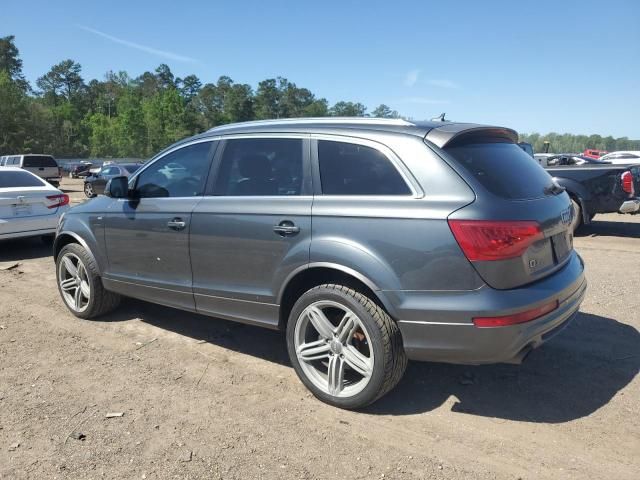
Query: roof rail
[(317, 120)]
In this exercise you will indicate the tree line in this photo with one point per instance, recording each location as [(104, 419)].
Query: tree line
[(124, 116), (568, 143)]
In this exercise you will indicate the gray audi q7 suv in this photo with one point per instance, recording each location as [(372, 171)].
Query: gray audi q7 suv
[(368, 241)]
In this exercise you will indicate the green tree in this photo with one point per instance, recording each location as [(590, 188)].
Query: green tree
[(102, 135), (348, 109), (13, 114), (164, 119), (11, 63), (129, 126), (383, 111), (62, 80)]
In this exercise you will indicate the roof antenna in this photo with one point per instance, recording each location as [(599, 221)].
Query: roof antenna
[(439, 118)]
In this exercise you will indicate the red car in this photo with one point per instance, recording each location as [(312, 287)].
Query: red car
[(595, 154)]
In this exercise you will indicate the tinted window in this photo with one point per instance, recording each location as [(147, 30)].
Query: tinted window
[(130, 168), (181, 173), (503, 169), (350, 169), (19, 179), (110, 171), (260, 166), (37, 161)]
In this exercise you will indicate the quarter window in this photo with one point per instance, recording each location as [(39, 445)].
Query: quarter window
[(260, 167), (351, 169), (181, 173)]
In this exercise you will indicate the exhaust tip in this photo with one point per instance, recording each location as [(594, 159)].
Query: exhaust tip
[(521, 356)]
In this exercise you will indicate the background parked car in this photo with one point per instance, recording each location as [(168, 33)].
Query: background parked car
[(593, 153), (543, 157), (599, 188), (29, 206), (44, 166), (568, 159), (619, 158), (94, 184), (78, 169)]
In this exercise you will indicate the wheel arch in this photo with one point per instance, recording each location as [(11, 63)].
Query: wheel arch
[(65, 238), (310, 276)]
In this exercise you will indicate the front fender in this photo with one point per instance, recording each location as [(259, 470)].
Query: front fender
[(86, 231)]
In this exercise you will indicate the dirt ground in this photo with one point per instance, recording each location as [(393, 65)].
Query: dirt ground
[(206, 398)]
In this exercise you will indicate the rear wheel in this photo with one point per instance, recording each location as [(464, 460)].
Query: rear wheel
[(80, 285), (88, 190), (344, 347)]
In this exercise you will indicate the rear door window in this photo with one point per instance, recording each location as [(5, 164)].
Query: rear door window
[(38, 161), (13, 179), (260, 167), (504, 169), (352, 169)]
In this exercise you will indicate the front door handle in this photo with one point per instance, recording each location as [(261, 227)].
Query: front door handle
[(176, 224), (286, 228)]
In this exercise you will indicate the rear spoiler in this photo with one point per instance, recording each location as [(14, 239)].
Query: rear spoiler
[(456, 133)]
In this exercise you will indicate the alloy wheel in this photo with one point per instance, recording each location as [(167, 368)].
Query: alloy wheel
[(334, 349), (74, 282), (88, 190)]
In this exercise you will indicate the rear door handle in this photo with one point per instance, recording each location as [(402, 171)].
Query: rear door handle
[(176, 224), (286, 228)]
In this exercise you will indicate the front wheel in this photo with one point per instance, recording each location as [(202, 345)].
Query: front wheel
[(80, 285), (576, 221), (344, 347), (88, 190)]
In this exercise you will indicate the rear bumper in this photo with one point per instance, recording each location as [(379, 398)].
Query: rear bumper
[(439, 327), (630, 206)]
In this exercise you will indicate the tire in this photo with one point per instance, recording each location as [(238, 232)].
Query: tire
[(88, 190), (576, 223), (94, 299), (315, 353)]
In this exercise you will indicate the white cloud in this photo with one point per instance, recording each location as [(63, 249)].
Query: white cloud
[(137, 46), (422, 101), (411, 77), (443, 83)]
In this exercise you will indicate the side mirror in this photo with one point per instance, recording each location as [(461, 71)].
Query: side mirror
[(117, 187)]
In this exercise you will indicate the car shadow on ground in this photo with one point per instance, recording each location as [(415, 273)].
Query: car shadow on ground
[(25, 249), (602, 228), (570, 377), (259, 342)]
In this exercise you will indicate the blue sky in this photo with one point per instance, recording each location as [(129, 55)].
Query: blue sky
[(565, 66)]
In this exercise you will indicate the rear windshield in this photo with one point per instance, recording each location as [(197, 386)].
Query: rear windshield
[(39, 161), (503, 168), (19, 179)]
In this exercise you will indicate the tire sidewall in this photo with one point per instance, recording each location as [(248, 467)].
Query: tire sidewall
[(375, 385), (92, 275)]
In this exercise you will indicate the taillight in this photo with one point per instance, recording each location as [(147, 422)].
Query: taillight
[(58, 200), (627, 182), (514, 319), (482, 240)]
